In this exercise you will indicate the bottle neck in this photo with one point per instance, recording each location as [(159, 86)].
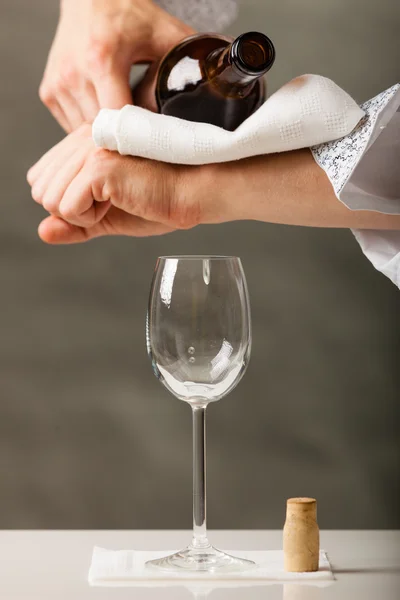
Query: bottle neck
[(226, 76), (235, 68)]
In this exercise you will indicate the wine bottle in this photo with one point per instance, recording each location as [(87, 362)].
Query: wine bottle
[(214, 79)]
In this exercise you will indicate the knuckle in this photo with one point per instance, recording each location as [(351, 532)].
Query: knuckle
[(36, 193), (30, 177), (67, 211), (69, 75), (49, 204), (46, 94), (110, 190), (84, 131), (99, 52), (58, 85), (98, 161), (102, 174)]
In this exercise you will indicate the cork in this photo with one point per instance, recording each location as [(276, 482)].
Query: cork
[(301, 536)]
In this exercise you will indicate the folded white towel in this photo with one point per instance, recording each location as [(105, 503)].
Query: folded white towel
[(308, 110)]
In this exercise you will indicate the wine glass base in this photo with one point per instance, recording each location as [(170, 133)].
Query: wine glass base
[(207, 559)]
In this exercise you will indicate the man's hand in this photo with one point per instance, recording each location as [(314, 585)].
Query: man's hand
[(95, 45), (91, 192)]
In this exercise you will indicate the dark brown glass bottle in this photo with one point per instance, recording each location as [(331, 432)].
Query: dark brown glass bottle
[(213, 79)]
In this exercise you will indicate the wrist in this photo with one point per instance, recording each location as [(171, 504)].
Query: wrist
[(261, 188), (210, 191), (256, 188)]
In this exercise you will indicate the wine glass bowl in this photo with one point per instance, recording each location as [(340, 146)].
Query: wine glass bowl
[(198, 326), (198, 335)]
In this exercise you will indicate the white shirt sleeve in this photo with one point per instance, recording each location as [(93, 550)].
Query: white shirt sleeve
[(202, 15), (364, 169)]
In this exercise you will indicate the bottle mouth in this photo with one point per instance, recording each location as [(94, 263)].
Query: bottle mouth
[(253, 53)]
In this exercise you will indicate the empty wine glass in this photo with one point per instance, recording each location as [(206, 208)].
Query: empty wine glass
[(198, 335)]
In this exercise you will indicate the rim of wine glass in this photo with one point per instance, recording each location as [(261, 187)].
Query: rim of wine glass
[(199, 257)]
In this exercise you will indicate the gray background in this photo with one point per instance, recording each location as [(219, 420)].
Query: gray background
[(88, 437)]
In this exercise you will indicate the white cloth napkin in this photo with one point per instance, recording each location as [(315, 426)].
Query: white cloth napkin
[(119, 567), (308, 110)]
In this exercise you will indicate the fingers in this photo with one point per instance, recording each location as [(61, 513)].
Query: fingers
[(54, 107), (87, 100), (58, 99), (54, 230), (94, 47), (113, 90), (167, 32), (77, 205), (37, 169), (71, 109), (60, 152), (63, 150), (50, 187), (63, 169), (144, 92), (70, 97), (67, 191)]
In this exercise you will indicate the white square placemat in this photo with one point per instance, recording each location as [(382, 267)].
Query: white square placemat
[(124, 567)]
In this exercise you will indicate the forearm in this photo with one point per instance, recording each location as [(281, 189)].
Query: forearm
[(288, 188)]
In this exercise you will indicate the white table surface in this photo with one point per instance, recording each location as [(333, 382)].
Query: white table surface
[(54, 564)]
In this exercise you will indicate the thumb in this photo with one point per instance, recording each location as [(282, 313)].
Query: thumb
[(165, 38), (167, 33), (54, 230)]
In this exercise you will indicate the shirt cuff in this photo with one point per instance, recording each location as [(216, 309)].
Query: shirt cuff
[(340, 158), (363, 172)]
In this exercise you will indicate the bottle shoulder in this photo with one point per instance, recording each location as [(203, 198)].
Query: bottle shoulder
[(184, 65), (194, 83)]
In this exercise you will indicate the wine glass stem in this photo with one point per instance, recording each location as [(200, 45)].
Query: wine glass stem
[(199, 478)]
